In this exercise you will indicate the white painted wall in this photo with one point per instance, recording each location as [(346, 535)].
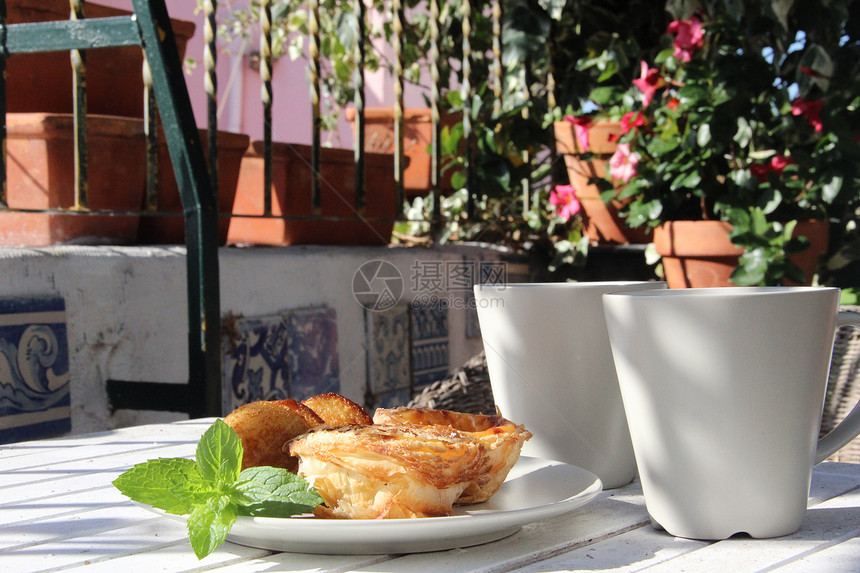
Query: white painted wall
[(126, 308)]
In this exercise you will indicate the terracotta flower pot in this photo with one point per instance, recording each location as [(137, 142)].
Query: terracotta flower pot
[(40, 172), (700, 253), (601, 221), (171, 230), (291, 196), (42, 82), (418, 127)]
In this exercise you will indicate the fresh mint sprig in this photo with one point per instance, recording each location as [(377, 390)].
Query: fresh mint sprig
[(213, 490)]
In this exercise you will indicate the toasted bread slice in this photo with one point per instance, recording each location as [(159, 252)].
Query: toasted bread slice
[(264, 427), (337, 410)]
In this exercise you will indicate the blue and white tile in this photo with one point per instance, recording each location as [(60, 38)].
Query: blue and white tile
[(493, 272), (313, 357), (473, 326), (35, 396), (388, 353), (255, 360), (429, 344), (488, 272)]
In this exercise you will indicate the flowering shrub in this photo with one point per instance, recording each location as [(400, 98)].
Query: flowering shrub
[(750, 116)]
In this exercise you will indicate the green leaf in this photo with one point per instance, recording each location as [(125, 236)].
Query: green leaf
[(770, 201), (458, 179), (703, 135), (209, 524), (219, 453), (169, 484), (751, 268), (830, 189), (744, 134), (274, 492)]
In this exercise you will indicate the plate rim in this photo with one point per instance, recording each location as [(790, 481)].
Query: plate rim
[(484, 526)]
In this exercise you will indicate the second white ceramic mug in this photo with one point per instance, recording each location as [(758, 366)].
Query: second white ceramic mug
[(723, 390), (551, 369)]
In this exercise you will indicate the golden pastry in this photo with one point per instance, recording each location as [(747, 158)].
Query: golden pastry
[(337, 410), (502, 439), (388, 471), (265, 426)]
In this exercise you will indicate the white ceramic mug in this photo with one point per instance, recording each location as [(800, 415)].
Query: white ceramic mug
[(723, 390), (551, 369)]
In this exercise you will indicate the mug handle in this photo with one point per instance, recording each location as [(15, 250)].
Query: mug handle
[(849, 427)]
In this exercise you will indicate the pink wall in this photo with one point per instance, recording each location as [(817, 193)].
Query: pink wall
[(242, 110)]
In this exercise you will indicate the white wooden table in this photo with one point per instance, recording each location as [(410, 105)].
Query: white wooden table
[(59, 512)]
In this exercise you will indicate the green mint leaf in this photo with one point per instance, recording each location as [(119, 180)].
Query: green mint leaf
[(195, 492), (219, 453), (165, 483), (213, 491), (209, 524), (273, 492)]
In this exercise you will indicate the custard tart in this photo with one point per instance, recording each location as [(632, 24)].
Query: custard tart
[(502, 439), (386, 471)]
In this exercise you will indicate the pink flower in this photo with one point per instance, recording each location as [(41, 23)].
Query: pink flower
[(581, 125), (563, 197), (632, 120), (648, 83), (689, 37), (622, 164), (811, 110)]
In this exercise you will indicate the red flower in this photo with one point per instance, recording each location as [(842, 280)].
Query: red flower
[(811, 110), (776, 165), (649, 82), (673, 103), (760, 171), (581, 125), (632, 120), (779, 162), (689, 37), (565, 201)]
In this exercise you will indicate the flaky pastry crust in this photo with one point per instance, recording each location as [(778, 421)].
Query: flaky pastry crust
[(388, 471), (265, 426), (502, 439)]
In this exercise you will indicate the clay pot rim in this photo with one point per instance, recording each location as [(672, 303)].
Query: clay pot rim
[(226, 139), (59, 125), (331, 155), (94, 10), (384, 114), (713, 240)]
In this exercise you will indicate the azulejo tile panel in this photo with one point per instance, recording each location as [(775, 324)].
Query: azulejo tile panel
[(35, 397), (388, 349), (254, 360), (313, 358), (291, 354), (429, 344)]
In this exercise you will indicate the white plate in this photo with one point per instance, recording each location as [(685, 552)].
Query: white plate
[(536, 489)]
